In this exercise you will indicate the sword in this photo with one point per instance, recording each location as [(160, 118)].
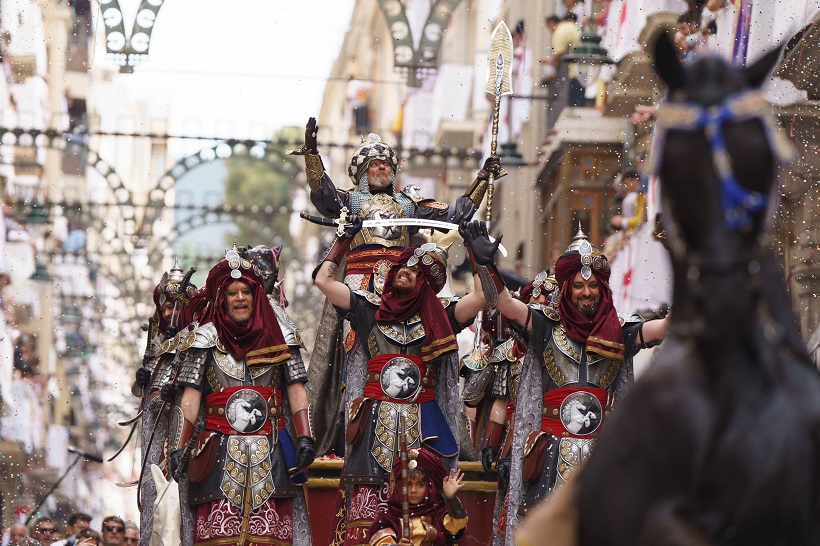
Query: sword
[(151, 330), (499, 83), (387, 222)]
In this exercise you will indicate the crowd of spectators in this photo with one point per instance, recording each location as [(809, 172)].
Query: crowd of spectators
[(76, 531)]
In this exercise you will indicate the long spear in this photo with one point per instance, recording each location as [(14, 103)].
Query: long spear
[(499, 83)]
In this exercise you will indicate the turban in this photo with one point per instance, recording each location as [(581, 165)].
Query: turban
[(601, 333), (259, 340)]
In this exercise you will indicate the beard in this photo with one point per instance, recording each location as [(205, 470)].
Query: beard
[(381, 182), (588, 311)]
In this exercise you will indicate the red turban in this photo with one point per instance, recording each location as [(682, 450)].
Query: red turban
[(432, 507), (602, 333), (439, 338), (259, 340)]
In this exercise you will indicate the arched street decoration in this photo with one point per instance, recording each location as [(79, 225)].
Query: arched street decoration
[(258, 150), (227, 215), (129, 49), (417, 54), (62, 141)]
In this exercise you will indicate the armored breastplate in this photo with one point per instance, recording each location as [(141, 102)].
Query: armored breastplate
[(402, 337), (377, 207), (563, 361), (226, 371), (247, 460)]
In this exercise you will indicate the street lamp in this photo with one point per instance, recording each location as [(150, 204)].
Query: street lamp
[(37, 217)]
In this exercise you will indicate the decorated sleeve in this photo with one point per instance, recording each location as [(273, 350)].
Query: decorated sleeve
[(541, 329), (327, 199), (455, 526)]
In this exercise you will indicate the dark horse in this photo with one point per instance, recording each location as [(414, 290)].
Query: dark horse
[(719, 442)]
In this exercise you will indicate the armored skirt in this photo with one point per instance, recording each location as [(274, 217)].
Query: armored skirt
[(389, 387), (239, 486), (564, 397)]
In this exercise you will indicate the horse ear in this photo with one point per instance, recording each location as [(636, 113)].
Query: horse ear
[(758, 73), (667, 63), (159, 480)]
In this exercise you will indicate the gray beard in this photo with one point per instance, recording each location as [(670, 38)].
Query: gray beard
[(364, 184)]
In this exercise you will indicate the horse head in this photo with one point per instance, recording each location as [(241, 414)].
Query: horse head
[(717, 157), (167, 519)]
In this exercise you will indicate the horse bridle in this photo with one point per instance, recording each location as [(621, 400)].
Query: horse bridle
[(738, 203)]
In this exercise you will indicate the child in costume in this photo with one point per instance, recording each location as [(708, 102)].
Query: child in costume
[(437, 517)]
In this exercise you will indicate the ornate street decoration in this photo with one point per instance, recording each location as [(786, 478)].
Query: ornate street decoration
[(128, 49), (417, 55)]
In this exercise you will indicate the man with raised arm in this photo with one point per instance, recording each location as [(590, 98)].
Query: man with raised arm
[(404, 330), (578, 365), (372, 170)]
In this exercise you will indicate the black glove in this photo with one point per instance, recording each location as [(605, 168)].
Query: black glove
[(477, 240), (171, 331), (168, 393), (492, 165), (311, 130), (354, 227), (487, 458), (463, 209), (305, 452), (174, 460), (143, 377), (504, 473)]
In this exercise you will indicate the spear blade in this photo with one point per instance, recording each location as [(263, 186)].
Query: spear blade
[(499, 73)]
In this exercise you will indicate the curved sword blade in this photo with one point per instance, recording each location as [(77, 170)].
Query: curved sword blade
[(130, 421), (125, 443)]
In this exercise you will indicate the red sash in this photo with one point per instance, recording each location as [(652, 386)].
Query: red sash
[(217, 420), (373, 387), (551, 413)]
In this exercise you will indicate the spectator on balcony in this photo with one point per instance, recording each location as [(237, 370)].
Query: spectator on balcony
[(578, 8), (687, 25), (633, 206), (565, 33)]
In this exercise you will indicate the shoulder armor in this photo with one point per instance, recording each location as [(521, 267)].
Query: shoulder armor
[(286, 324), (629, 318), (205, 336), (369, 296), (447, 301), (412, 192), (547, 310)]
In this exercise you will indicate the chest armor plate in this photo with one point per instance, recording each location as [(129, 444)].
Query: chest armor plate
[(226, 371), (562, 359), (397, 338), (380, 206)]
